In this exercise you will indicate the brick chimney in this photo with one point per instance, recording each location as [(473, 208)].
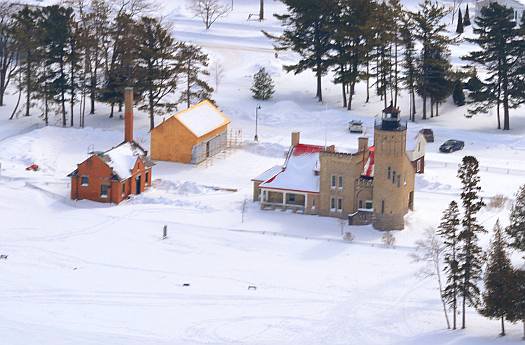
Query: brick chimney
[(296, 137), (128, 114), (362, 144)]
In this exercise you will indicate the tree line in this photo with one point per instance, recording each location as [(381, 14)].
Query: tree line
[(390, 48), (65, 58), (454, 250)]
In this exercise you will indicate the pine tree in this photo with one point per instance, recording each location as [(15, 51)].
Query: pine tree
[(409, 61), (470, 255), (307, 31), (500, 53), (433, 62), (457, 93), (459, 27), (517, 311), (448, 231), (193, 67), (158, 70), (497, 297), (27, 38), (516, 229), (262, 86), (466, 18)]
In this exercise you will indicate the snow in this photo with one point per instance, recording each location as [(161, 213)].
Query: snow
[(85, 273), (299, 171), (202, 118), (268, 174), (122, 158)]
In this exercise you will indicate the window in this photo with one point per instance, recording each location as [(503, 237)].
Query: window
[(360, 203), (332, 203), (340, 182), (368, 204), (123, 188), (84, 181), (382, 206), (389, 172), (291, 197), (104, 191), (339, 204), (394, 177), (399, 180), (333, 181)]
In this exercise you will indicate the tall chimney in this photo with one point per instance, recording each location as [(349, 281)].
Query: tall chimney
[(296, 137), (128, 114)]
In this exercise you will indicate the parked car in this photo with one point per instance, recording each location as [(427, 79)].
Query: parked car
[(428, 134), (452, 145), (355, 126)]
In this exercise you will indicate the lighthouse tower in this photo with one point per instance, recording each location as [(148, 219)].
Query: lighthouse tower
[(393, 190)]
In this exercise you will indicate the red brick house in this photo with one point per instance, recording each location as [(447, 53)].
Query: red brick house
[(112, 176)]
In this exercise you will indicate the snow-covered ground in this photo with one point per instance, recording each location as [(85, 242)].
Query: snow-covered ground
[(84, 273)]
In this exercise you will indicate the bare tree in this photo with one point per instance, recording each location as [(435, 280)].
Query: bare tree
[(429, 251), (209, 11), (217, 73)]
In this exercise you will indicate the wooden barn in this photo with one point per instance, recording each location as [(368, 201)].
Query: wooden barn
[(190, 136), (112, 176)]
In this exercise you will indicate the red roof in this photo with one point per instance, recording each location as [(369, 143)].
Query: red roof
[(301, 149)]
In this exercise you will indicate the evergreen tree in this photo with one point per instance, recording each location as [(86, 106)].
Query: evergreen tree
[(158, 70), (517, 311), (497, 297), (470, 255), (27, 38), (433, 62), (262, 86), (409, 61), (193, 66), (466, 18), (307, 31), (448, 230), (457, 93), (497, 36), (8, 51), (516, 229), (459, 27)]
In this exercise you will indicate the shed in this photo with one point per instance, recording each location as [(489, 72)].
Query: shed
[(190, 136)]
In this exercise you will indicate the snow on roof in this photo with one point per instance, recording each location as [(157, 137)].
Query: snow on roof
[(268, 174), (299, 172), (368, 170), (122, 158), (202, 118)]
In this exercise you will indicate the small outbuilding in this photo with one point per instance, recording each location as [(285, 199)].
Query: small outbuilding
[(112, 176), (190, 136)]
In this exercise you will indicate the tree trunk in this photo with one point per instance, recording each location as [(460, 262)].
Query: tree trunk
[(19, 97), (28, 88), (367, 80), (464, 309), (438, 272), (112, 109), (261, 10), (431, 107), (2, 88), (396, 86), (319, 93), (344, 95), (151, 111), (424, 107), (413, 105), (351, 95), (502, 326)]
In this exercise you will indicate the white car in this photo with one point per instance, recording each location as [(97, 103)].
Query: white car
[(355, 126)]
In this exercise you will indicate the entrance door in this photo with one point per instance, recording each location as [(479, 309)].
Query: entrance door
[(137, 185)]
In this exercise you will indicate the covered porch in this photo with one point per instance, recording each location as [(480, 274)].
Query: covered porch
[(284, 200)]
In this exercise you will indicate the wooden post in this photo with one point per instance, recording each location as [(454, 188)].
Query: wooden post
[(165, 232)]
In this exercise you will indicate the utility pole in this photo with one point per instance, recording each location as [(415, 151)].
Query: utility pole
[(261, 10), (256, 138)]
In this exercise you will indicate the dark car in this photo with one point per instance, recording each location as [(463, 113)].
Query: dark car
[(428, 134), (451, 146)]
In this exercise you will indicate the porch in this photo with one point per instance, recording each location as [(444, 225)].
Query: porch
[(283, 200)]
